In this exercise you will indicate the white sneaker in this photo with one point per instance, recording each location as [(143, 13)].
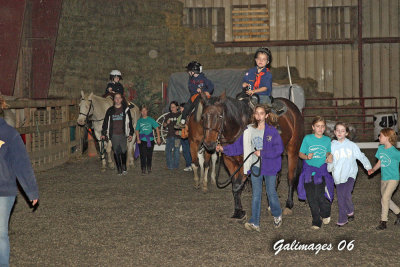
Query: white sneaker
[(252, 227), (277, 221), (188, 169), (326, 220)]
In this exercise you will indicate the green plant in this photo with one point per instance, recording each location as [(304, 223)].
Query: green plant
[(143, 95)]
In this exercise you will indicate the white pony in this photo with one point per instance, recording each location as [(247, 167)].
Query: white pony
[(93, 108)]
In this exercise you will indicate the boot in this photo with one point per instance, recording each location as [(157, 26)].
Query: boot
[(148, 169), (123, 163), (144, 171), (397, 221), (118, 163), (381, 226)]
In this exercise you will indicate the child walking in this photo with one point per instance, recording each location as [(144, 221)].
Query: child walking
[(145, 139), (315, 183), (343, 165), (262, 137), (388, 160)]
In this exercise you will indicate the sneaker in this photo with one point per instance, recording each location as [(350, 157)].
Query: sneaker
[(326, 220), (188, 169), (252, 227), (341, 224), (315, 227), (381, 226), (124, 173), (277, 221)]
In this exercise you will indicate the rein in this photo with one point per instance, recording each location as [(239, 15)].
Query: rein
[(229, 180), (101, 142)]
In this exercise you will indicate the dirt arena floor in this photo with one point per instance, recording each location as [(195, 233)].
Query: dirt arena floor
[(89, 218)]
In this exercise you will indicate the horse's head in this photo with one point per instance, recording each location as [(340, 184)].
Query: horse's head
[(85, 109), (213, 123)]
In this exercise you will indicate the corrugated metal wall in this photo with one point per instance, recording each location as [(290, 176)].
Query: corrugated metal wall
[(335, 67)]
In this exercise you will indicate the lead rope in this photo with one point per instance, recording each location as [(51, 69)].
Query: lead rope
[(229, 180)]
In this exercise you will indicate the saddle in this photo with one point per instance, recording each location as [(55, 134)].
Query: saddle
[(277, 106)]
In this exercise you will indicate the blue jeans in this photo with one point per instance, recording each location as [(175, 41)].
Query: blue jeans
[(172, 152), (6, 204), (265, 99), (186, 152), (270, 184)]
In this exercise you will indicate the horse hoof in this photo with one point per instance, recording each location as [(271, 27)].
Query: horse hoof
[(287, 211), (112, 167), (103, 169), (196, 186), (204, 189)]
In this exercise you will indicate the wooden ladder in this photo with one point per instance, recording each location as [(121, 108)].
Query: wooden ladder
[(250, 23)]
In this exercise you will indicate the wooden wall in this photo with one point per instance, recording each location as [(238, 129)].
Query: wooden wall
[(335, 67)]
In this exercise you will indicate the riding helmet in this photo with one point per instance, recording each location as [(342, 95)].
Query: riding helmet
[(114, 73), (194, 66), (267, 51)]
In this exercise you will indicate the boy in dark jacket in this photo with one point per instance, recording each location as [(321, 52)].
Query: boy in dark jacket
[(198, 83)]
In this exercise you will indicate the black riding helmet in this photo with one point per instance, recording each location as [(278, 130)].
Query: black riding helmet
[(194, 66), (264, 50)]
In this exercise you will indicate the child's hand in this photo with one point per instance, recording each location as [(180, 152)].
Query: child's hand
[(244, 85), (371, 171), (168, 121), (198, 90), (309, 156), (207, 94), (219, 148), (329, 159), (257, 153)]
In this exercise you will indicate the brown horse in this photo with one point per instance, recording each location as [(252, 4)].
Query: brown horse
[(225, 119), (200, 157)]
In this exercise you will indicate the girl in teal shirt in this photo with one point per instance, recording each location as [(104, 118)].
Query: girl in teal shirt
[(145, 139), (388, 160)]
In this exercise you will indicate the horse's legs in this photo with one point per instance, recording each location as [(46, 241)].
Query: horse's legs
[(203, 170), (130, 151), (214, 158), (237, 186), (206, 167), (109, 155), (195, 163), (292, 165)]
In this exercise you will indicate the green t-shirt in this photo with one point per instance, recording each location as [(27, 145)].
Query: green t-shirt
[(390, 159), (318, 146), (145, 126)]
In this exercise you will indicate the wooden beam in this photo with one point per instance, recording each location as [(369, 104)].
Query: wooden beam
[(250, 16), (251, 27), (250, 11), (249, 33)]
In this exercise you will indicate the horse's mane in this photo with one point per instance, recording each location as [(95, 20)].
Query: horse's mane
[(236, 110)]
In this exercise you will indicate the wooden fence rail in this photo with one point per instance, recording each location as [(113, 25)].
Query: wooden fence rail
[(49, 130)]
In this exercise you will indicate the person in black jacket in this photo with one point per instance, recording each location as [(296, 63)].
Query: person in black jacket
[(117, 125), (14, 165)]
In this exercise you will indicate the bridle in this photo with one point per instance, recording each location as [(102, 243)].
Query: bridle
[(88, 112), (220, 117)]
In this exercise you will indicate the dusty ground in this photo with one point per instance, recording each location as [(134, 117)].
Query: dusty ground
[(88, 218)]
